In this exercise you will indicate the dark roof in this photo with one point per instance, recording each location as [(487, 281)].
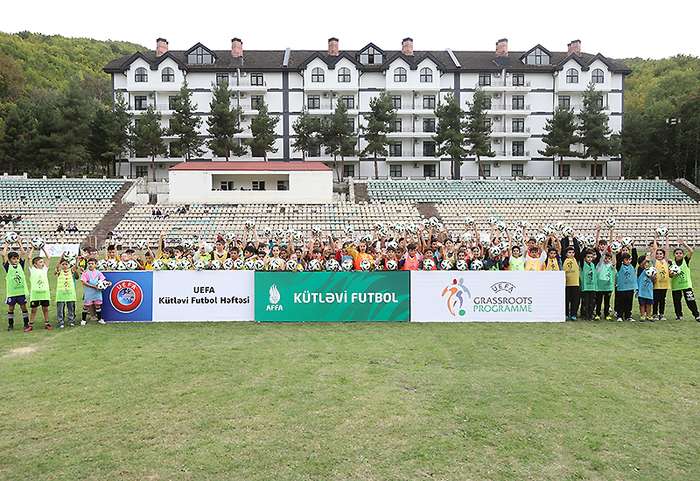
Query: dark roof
[(271, 60), (252, 166)]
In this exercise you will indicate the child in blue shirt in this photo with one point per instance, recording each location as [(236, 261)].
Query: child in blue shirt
[(645, 292)]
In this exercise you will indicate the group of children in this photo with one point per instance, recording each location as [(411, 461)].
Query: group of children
[(39, 292)]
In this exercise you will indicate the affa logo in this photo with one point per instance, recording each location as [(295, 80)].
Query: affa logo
[(126, 296), (274, 299), (458, 294)]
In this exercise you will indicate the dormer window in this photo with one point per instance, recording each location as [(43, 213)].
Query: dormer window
[(200, 55), (426, 75), (400, 74), (318, 75), (598, 77), (141, 75), (344, 75), (572, 76), (167, 75), (537, 57), (371, 56)]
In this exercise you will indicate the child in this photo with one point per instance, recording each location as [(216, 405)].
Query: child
[(516, 261), (604, 286), (65, 292), (93, 296), (39, 293), (645, 289), (682, 284), (663, 282), (587, 283), (15, 284), (553, 262), (411, 259), (626, 284), (572, 294)]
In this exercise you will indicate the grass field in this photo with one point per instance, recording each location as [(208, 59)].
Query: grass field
[(586, 400)]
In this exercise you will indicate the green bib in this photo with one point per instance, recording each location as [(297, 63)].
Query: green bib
[(65, 287), (605, 281), (15, 282), (516, 264), (40, 285), (682, 281), (588, 277)]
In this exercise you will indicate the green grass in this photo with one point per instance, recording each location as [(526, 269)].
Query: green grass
[(193, 401)]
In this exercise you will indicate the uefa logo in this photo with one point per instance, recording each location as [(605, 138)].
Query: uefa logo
[(126, 296)]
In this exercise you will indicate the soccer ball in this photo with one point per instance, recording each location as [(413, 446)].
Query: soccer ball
[(378, 225), (589, 241), (391, 265), (462, 265), (495, 251), (298, 236), (610, 222), (188, 244), (227, 265), (112, 264), (11, 237), (615, 247), (469, 221), (267, 232), (314, 265), (401, 226), (157, 265), (365, 264), (121, 266), (522, 223), (238, 264), (279, 234), (215, 265), (466, 237), (332, 265), (348, 229), (141, 244), (428, 264), (433, 221), (316, 230), (559, 226), (486, 242), (37, 242), (393, 244), (101, 265), (674, 269), (259, 265), (348, 265), (229, 236), (425, 222), (412, 228), (132, 265), (504, 246), (567, 231), (101, 284), (492, 220), (384, 232), (446, 265), (185, 265), (250, 265), (651, 271), (366, 238), (291, 265), (627, 242), (273, 265), (477, 265), (249, 223), (662, 231), (518, 237), (548, 230), (200, 265), (69, 256), (500, 226), (173, 265)]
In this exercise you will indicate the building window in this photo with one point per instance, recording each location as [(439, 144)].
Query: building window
[(395, 149), (428, 101), (256, 101), (344, 75), (572, 76), (518, 102), (518, 148), (429, 170), (429, 149), (314, 102), (400, 74), (518, 79), (351, 124), (282, 185), (428, 125), (140, 102), (396, 100), (487, 102), (599, 101), (172, 102), (141, 75), (141, 171), (200, 55), (537, 57), (348, 171), (484, 79), (226, 185), (566, 170), (516, 170), (371, 56), (167, 75), (258, 185), (315, 151), (257, 79), (426, 75), (487, 123), (598, 170), (318, 75), (598, 77), (565, 101), (487, 169), (395, 170), (221, 78), (398, 125), (518, 125), (349, 101)]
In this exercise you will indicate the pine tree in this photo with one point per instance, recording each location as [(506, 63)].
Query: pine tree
[(43, 138), (148, 136), (449, 133), (119, 121), (185, 124), (380, 121), (263, 129), (224, 123), (306, 129), (338, 137), (75, 113), (15, 137), (593, 129), (477, 129), (98, 144), (560, 135)]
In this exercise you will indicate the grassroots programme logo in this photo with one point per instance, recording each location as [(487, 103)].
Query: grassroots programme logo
[(126, 296), (456, 299)]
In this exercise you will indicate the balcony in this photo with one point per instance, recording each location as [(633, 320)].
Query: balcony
[(501, 108), (497, 131), (500, 85)]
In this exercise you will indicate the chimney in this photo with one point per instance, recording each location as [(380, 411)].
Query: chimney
[(161, 46), (502, 48), (333, 47), (575, 47), (407, 46), (236, 47)]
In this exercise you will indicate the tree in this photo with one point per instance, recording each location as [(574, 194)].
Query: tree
[(184, 124), (306, 128), (224, 123), (449, 132), (560, 135), (477, 129), (98, 144), (119, 121), (15, 137), (76, 111), (263, 129), (380, 121), (338, 137), (43, 138), (593, 129), (148, 136)]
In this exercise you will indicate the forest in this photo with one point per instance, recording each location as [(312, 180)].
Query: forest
[(56, 113)]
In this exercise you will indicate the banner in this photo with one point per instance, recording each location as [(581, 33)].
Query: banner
[(332, 296), (489, 296), (129, 298), (57, 250), (203, 296)]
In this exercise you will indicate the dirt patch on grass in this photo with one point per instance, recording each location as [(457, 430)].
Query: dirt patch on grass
[(21, 351)]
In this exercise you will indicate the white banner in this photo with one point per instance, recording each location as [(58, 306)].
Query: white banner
[(57, 250), (487, 296), (203, 296)]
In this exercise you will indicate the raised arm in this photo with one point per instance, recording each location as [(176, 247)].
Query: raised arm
[(687, 247)]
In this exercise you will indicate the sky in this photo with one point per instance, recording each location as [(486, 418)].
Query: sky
[(614, 28)]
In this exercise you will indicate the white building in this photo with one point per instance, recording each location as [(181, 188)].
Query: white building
[(525, 87)]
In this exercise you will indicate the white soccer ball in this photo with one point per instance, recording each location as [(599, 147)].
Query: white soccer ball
[(157, 265), (101, 265), (121, 266), (11, 237), (469, 221), (227, 265), (567, 231), (462, 265), (428, 264), (615, 247), (69, 256), (446, 265), (238, 264), (500, 226), (348, 229), (188, 244), (486, 242), (548, 230), (504, 246), (348, 265), (229, 236), (279, 234), (412, 228), (384, 232), (559, 226), (37, 242), (365, 264), (332, 265), (316, 230), (492, 220), (590, 241), (215, 265), (259, 265), (495, 251), (185, 265), (250, 265), (674, 269), (391, 265), (291, 265), (141, 244), (393, 244), (378, 225), (477, 265), (651, 271), (249, 223), (101, 284), (425, 222), (314, 265), (522, 223), (298, 236), (273, 265), (366, 238), (132, 265), (173, 265), (267, 232), (518, 237), (401, 226), (610, 222), (200, 265), (433, 221), (662, 231), (627, 242), (466, 237), (112, 264)]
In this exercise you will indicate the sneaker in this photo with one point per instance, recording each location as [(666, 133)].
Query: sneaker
[(631, 319), (679, 318), (608, 318), (642, 319), (655, 317), (619, 319), (48, 326), (101, 321), (71, 324), (9, 328), (82, 323), (662, 317), (60, 326), (596, 318), (28, 328), (573, 318), (697, 319)]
